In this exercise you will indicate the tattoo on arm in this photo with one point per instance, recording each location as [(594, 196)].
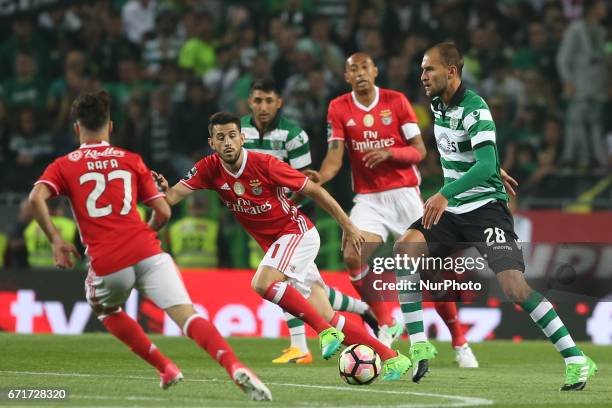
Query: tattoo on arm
[(333, 144)]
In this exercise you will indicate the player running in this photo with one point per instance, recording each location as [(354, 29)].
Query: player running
[(379, 131), (104, 184), (267, 131), (472, 204), (252, 185)]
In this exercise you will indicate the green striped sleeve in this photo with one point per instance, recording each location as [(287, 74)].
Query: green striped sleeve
[(298, 148), (478, 122)]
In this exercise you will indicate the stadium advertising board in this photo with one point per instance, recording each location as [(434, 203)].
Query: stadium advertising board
[(52, 301)]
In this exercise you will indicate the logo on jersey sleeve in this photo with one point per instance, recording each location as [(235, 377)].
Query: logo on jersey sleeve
[(368, 120), (190, 174), (75, 156), (256, 186), (386, 117), (239, 188)]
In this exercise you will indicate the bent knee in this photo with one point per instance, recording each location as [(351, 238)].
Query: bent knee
[(412, 241)]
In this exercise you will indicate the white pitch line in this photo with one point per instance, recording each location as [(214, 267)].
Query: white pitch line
[(459, 401)]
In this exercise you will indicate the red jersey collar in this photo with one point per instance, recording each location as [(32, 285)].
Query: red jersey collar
[(372, 105)]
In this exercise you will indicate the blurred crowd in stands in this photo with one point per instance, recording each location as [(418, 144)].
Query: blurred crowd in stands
[(542, 65)]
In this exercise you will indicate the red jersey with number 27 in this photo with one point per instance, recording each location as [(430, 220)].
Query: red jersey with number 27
[(388, 122), (255, 194), (104, 185)]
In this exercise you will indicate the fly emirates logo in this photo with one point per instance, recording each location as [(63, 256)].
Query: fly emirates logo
[(371, 141), (243, 205)]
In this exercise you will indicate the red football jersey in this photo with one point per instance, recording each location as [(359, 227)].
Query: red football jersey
[(255, 194), (104, 185), (388, 122)]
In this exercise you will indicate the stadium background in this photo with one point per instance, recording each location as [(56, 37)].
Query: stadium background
[(170, 64)]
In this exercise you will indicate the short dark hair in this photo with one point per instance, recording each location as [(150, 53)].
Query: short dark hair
[(449, 54), (222, 118), (92, 109), (265, 85)]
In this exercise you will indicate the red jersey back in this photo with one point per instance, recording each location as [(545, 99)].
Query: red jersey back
[(104, 185), (255, 194), (388, 122)]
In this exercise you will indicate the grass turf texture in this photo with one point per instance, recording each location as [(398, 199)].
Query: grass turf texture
[(99, 371)]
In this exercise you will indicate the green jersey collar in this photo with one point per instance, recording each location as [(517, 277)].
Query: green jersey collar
[(438, 104), (271, 126)]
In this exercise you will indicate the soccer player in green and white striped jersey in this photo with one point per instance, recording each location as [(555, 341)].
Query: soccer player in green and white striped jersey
[(472, 204), (267, 131)]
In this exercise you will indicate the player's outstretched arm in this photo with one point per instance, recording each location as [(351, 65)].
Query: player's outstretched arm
[(61, 249), (351, 234), (331, 164), (176, 193)]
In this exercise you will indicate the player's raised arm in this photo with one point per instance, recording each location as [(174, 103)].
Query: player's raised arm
[(351, 234), (40, 210)]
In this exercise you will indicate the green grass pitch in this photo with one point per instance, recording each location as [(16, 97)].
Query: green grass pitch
[(99, 371)]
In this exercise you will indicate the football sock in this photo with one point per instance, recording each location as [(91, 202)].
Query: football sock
[(448, 313), (356, 334), (411, 304), (297, 331), (379, 308), (545, 316), (208, 337), (345, 303), (292, 301), (126, 329)]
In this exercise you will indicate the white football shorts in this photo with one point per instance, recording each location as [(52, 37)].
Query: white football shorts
[(294, 255), (156, 277), (387, 212)]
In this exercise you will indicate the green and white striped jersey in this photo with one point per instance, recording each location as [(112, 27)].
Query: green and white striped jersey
[(466, 124), (282, 139)]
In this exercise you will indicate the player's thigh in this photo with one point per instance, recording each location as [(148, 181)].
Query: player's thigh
[(293, 256), (109, 291), (438, 240), (159, 279), (368, 215), (319, 300), (407, 207), (490, 229)]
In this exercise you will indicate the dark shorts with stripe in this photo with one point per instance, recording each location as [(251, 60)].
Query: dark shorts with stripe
[(490, 229)]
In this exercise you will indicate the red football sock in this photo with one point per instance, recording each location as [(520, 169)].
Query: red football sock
[(380, 308), (208, 337), (448, 313), (356, 334), (292, 301), (126, 329)]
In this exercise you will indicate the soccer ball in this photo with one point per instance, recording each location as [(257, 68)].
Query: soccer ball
[(359, 364)]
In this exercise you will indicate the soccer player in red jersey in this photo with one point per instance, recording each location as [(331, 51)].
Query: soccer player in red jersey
[(104, 183), (252, 185), (378, 129)]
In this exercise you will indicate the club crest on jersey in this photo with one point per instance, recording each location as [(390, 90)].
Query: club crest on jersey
[(75, 156), (239, 188), (256, 186), (368, 120), (385, 117), (454, 122), (190, 174), (276, 144)]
